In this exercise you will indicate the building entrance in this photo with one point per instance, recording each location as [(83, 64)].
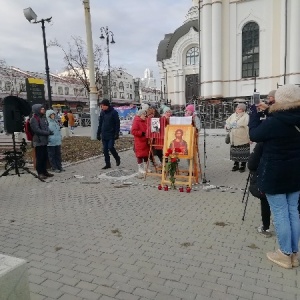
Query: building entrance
[(191, 87)]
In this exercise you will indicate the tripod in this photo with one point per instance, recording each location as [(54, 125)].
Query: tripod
[(246, 192), (204, 180), (15, 160)]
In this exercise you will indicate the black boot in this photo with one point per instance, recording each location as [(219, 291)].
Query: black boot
[(236, 167), (106, 167), (243, 167)]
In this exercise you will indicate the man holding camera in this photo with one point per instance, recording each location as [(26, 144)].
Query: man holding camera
[(279, 169)]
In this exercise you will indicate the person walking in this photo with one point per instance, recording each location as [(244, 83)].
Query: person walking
[(71, 119), (237, 124), (279, 169), (141, 146), (253, 164), (41, 132), (108, 132), (54, 142)]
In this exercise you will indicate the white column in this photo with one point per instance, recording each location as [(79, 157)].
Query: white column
[(217, 49), (233, 54), (294, 41), (206, 59)]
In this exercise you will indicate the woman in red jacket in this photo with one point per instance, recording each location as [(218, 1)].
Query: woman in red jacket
[(141, 146)]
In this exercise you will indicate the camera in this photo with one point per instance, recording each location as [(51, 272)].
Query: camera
[(256, 98)]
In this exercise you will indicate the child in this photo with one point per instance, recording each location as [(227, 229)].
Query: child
[(253, 163), (54, 142)]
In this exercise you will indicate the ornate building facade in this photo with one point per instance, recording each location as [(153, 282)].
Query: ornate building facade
[(244, 45)]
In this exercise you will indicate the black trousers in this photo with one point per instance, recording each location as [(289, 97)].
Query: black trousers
[(265, 212), (41, 155)]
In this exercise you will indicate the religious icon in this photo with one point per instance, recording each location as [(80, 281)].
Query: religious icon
[(155, 125), (180, 137), (179, 142)]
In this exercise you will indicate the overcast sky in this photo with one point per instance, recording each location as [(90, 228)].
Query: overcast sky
[(138, 26)]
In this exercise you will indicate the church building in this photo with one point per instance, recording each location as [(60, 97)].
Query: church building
[(244, 45)]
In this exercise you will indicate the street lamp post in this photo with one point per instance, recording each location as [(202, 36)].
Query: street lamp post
[(109, 39), (31, 16), (93, 95)]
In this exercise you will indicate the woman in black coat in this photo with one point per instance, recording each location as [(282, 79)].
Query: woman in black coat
[(279, 169)]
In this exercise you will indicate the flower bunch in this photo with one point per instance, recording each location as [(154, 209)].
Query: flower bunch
[(172, 161)]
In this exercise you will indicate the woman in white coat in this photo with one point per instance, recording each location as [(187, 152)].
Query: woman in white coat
[(237, 124)]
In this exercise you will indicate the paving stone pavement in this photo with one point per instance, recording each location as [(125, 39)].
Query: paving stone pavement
[(94, 237)]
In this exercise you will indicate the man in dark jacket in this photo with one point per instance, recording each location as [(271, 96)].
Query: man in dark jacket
[(39, 127), (279, 169), (108, 132)]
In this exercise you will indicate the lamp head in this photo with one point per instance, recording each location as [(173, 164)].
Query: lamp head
[(112, 40), (101, 36), (29, 14)]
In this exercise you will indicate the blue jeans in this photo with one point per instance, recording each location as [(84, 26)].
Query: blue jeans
[(284, 208), (108, 145)]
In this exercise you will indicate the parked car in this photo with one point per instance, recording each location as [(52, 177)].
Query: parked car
[(76, 117), (84, 119)]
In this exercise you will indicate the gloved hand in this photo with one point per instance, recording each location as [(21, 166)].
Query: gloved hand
[(116, 136), (51, 132), (143, 133), (99, 137)]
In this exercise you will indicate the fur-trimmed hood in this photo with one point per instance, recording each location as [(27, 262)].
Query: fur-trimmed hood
[(287, 97)]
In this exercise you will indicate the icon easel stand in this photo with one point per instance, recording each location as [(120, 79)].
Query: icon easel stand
[(156, 141), (183, 176)]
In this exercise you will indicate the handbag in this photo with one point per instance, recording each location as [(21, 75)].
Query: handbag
[(227, 138)]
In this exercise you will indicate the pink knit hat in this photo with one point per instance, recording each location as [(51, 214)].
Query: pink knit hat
[(191, 108)]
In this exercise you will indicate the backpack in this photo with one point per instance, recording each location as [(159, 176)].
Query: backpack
[(27, 128)]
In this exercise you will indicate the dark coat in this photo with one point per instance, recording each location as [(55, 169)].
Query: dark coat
[(253, 164), (279, 168), (39, 127), (138, 130), (109, 124)]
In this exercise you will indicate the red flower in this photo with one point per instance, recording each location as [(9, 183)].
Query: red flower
[(177, 150), (167, 154), (174, 159), (169, 151)]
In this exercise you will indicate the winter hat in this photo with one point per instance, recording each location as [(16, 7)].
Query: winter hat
[(49, 113), (141, 112), (105, 102), (286, 97), (242, 106), (166, 108), (191, 108), (144, 106), (272, 93)]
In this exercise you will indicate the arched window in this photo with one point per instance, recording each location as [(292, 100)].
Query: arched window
[(192, 56), (121, 86), (250, 50)]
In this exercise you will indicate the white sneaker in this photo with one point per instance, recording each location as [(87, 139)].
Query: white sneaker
[(141, 169), (266, 233)]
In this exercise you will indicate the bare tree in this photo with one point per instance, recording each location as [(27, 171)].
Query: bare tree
[(75, 58)]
